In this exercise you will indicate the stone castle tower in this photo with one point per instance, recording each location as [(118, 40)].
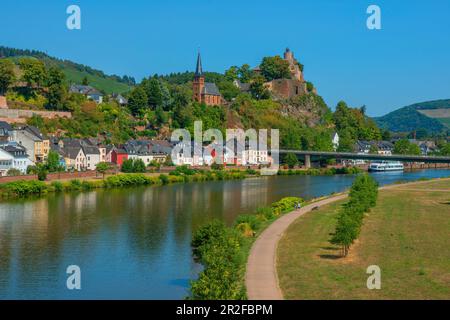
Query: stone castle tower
[(297, 74)]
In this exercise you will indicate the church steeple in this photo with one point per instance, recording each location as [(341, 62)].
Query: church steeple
[(199, 69)]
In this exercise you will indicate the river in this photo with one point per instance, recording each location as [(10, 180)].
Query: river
[(134, 243)]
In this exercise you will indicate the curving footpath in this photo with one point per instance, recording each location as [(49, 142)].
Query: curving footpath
[(261, 277)]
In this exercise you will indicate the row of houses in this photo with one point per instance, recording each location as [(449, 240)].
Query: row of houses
[(387, 147)]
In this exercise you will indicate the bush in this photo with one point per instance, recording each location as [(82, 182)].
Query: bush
[(24, 188), (164, 179), (57, 186), (285, 205), (252, 221)]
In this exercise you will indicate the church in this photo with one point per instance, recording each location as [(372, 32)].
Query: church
[(204, 92)]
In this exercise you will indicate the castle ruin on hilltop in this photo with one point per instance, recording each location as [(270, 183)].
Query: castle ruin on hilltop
[(289, 88)]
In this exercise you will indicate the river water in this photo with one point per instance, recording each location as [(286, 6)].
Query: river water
[(134, 243)]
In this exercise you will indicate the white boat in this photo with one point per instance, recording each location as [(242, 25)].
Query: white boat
[(378, 166)]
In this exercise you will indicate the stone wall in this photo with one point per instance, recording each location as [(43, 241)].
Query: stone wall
[(3, 104), (286, 88), (18, 113)]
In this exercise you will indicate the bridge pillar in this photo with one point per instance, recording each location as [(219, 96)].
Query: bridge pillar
[(307, 161)]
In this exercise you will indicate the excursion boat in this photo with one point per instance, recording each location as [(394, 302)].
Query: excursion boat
[(383, 166)]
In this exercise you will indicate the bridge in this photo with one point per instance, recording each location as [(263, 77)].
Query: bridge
[(363, 156)]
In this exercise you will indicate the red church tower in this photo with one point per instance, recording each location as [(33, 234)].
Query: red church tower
[(204, 92)]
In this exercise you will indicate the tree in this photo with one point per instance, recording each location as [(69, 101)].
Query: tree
[(52, 163), (138, 101), (232, 73), (34, 73), (154, 92), (138, 166), (57, 90), (386, 135), (373, 149), (245, 73), (258, 90), (291, 160), (127, 166), (161, 116), (102, 168), (275, 68), (445, 149), (41, 171), (7, 76), (403, 146), (85, 81)]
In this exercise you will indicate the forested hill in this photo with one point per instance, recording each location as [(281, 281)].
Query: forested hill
[(75, 72), (432, 116)]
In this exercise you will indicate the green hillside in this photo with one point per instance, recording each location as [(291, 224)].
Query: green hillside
[(75, 72), (433, 116)]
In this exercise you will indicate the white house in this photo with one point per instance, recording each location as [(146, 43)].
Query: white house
[(75, 158), (6, 162), (15, 158), (92, 155)]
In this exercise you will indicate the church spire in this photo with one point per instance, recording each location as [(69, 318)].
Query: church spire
[(199, 69)]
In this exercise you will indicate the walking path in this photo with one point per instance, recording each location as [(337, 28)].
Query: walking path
[(261, 277)]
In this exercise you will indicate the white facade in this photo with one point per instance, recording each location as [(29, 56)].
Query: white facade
[(6, 162), (92, 160)]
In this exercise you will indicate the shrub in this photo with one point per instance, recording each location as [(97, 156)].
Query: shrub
[(249, 219), (164, 179), (285, 204), (57, 186), (24, 188)]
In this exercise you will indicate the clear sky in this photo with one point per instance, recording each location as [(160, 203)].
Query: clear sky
[(405, 62)]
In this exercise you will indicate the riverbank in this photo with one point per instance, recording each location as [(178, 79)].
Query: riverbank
[(406, 235), (24, 188), (87, 182), (224, 251)]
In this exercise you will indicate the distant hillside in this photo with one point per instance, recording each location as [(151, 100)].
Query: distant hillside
[(75, 72), (433, 116)]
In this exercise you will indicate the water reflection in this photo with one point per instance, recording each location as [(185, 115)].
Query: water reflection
[(132, 243)]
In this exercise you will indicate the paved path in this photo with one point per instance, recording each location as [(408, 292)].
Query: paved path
[(261, 277)]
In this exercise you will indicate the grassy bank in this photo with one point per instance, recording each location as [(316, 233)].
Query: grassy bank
[(320, 171), (406, 235), (23, 188), (224, 250)]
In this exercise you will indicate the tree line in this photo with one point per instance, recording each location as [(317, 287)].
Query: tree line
[(362, 197)]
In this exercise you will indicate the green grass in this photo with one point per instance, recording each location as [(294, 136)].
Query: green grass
[(406, 234)]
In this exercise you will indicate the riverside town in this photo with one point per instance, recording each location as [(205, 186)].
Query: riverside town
[(232, 153)]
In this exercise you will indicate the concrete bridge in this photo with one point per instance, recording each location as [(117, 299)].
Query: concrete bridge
[(307, 155)]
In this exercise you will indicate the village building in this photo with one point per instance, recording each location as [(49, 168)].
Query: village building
[(88, 91), (204, 92), (36, 144), (5, 131), (20, 160), (118, 156)]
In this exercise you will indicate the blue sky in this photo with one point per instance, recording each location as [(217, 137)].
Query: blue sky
[(405, 62)]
